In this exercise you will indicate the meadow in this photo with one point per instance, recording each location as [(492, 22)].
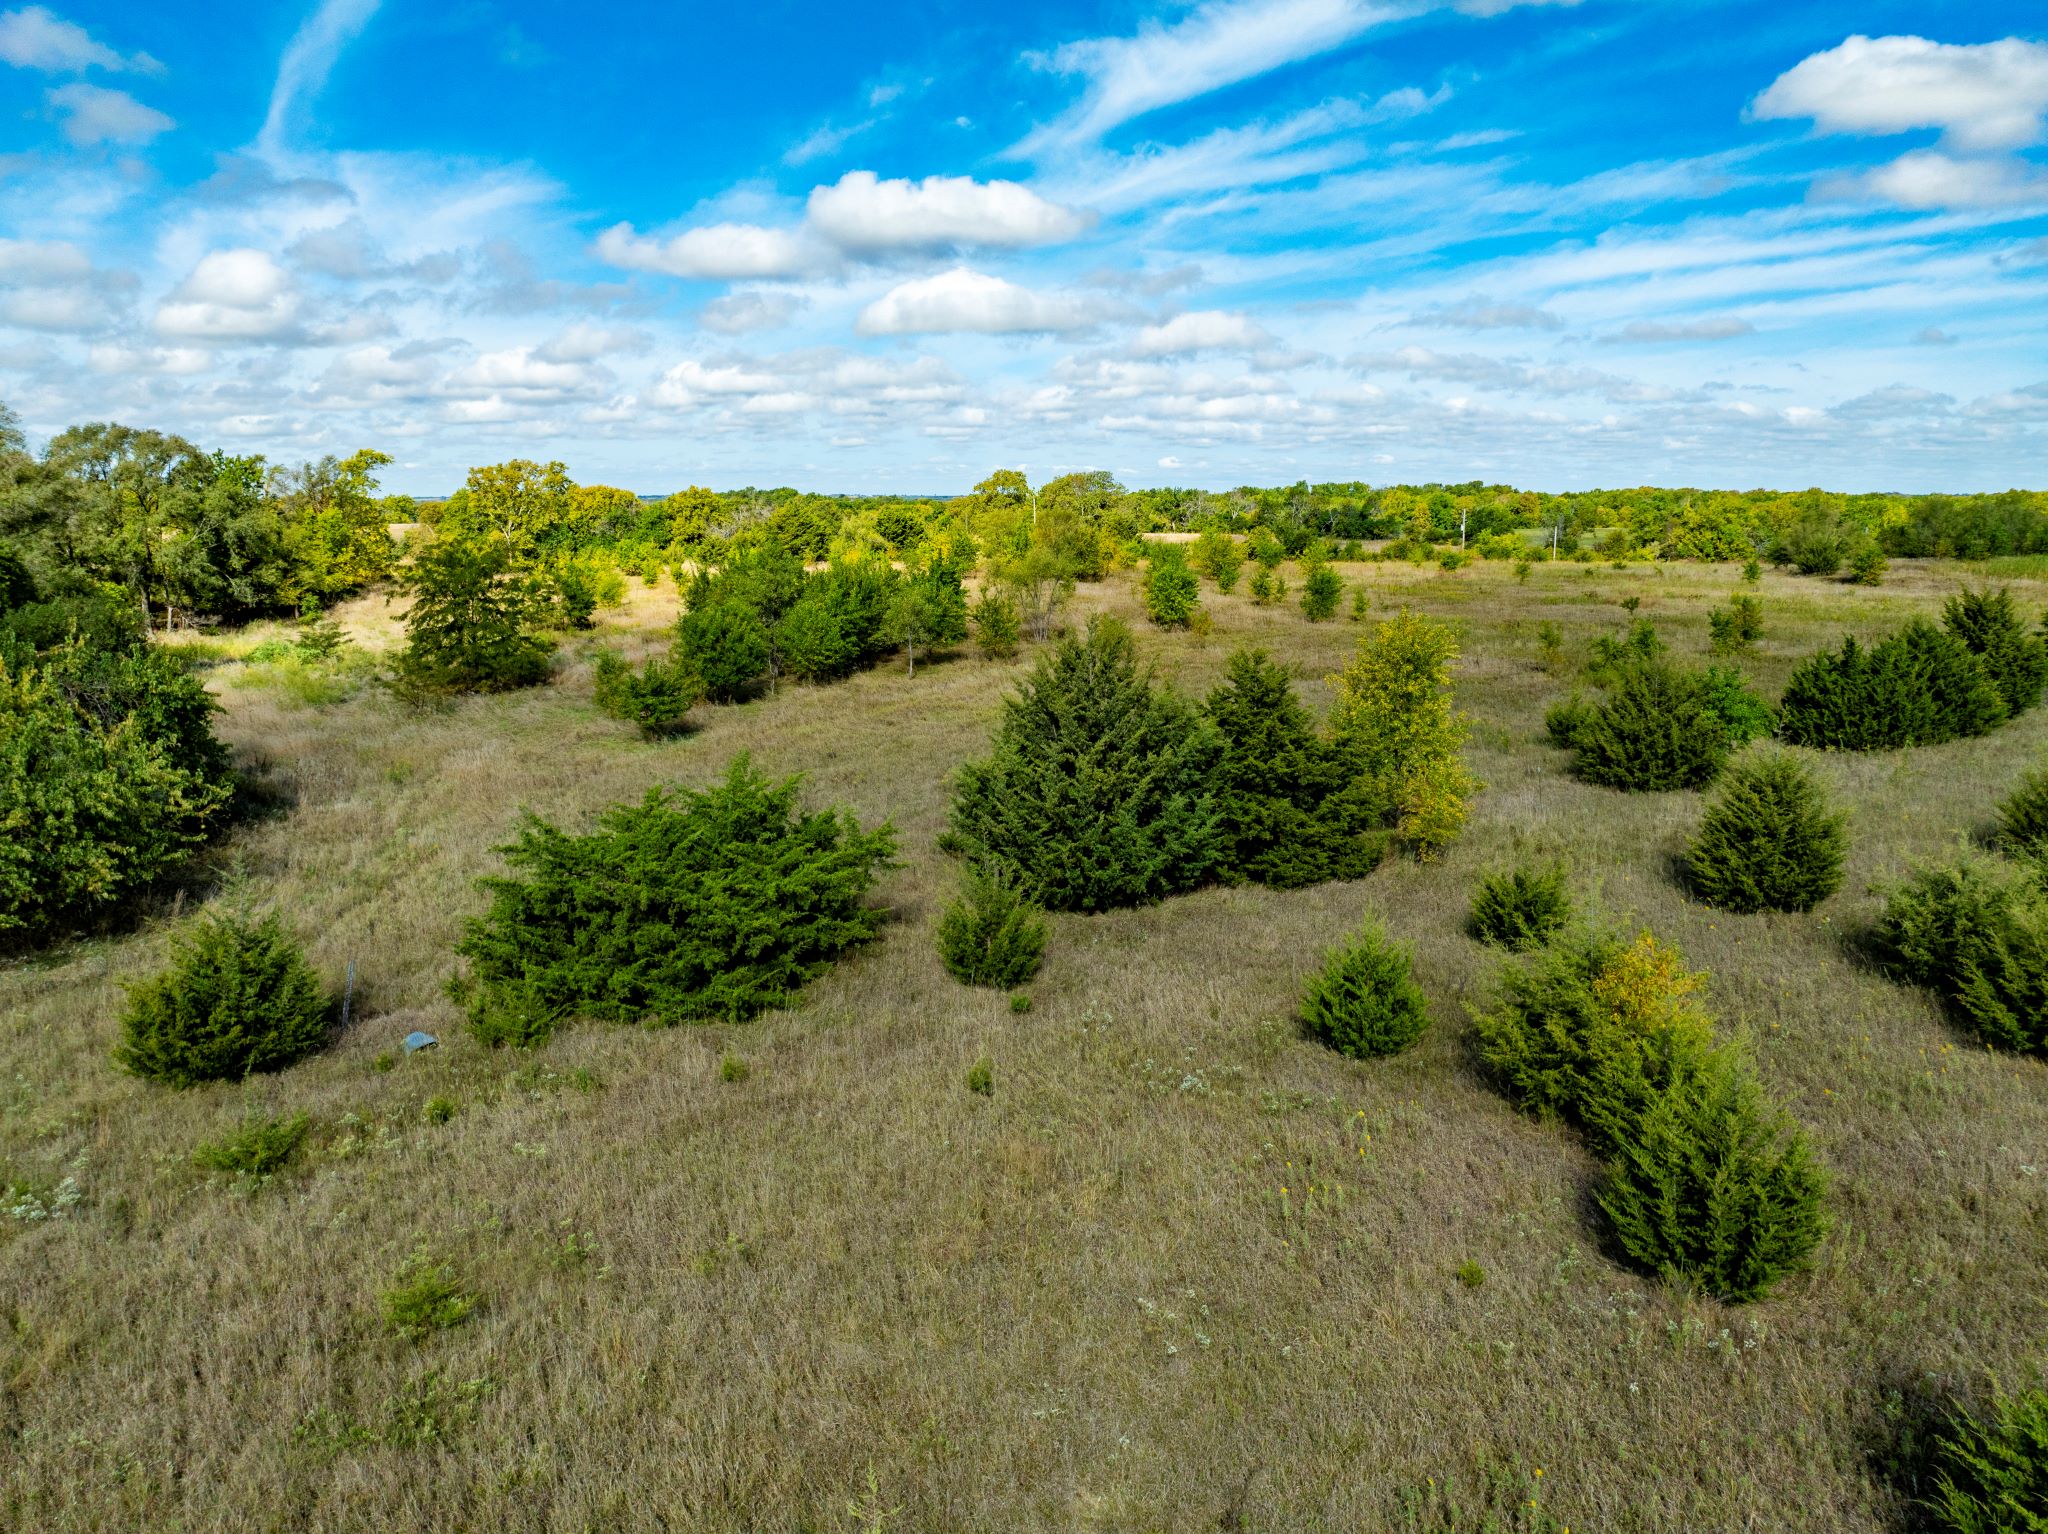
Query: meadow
[(1180, 1268)]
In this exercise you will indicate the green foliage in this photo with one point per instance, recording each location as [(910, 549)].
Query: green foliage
[(2023, 817), (1266, 587), (1976, 932), (732, 1070), (1752, 571), (688, 905), (1990, 1473), (1769, 842), (1867, 565), (991, 934), (473, 622), (1919, 687), (1396, 739), (1613, 658), (1471, 1274), (425, 1297), (1217, 555), (1101, 788), (110, 780), (726, 645), (1714, 1186), (260, 1148), (1989, 626), (438, 1110), (997, 625), (1815, 545), (1321, 586), (928, 610), (981, 1077), (657, 696), (1361, 604), (1744, 715), (1521, 908), (1171, 589), (1364, 1001), (1736, 626), (238, 998), (1657, 729)]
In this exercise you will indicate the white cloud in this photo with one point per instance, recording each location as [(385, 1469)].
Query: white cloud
[(35, 38), (231, 295), (1481, 313), (1199, 331), (1981, 95), (40, 263), (1928, 178), (54, 309), (963, 300), (308, 59), (865, 215), (585, 342), (93, 114), (717, 251), (1718, 328), (752, 309)]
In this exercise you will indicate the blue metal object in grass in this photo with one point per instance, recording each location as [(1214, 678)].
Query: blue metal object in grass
[(416, 1041)]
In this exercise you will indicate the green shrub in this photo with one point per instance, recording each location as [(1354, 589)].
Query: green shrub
[(425, 1297), (1745, 716), (2023, 817), (991, 935), (1769, 842), (110, 780), (1989, 626), (1266, 587), (1714, 1186), (1976, 932), (260, 1148), (1752, 571), (1364, 1001), (1590, 1029), (1564, 719), (1990, 1474), (726, 644), (1867, 565), (712, 904), (1815, 545), (438, 1110), (472, 624), (981, 1077), (1171, 589), (658, 696), (1361, 605), (1101, 790), (238, 998), (1613, 658), (1217, 555), (1520, 908), (1659, 728), (1919, 687), (997, 625), (810, 643), (1737, 626), (1396, 738), (1321, 586), (732, 1070)]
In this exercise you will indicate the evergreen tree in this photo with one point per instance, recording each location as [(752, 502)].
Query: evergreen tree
[(238, 998), (1520, 908), (991, 935), (2023, 817), (1171, 590), (1656, 730), (1101, 790), (473, 622), (725, 644), (1275, 774), (1364, 1000), (1988, 624), (1769, 843), (1218, 556), (1321, 586), (1919, 687)]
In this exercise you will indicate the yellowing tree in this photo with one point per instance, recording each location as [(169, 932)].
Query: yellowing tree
[(1393, 726)]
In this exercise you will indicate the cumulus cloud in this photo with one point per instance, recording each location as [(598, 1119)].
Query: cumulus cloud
[(36, 38), (825, 381), (717, 251), (862, 214), (1199, 331), (1981, 96), (232, 295), (1927, 178), (964, 300), (93, 114), (42, 262)]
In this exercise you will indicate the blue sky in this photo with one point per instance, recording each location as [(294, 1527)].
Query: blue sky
[(1561, 244)]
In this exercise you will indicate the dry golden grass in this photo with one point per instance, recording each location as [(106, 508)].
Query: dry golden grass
[(846, 1293)]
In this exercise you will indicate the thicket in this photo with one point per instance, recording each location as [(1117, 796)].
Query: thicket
[(1520, 908), (1769, 842), (1707, 1182), (991, 934), (688, 905), (1364, 1001), (1976, 933), (1218, 556), (1919, 687), (656, 695), (238, 998), (1660, 727), (110, 780)]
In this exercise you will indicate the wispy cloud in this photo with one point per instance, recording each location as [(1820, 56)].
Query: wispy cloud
[(308, 60)]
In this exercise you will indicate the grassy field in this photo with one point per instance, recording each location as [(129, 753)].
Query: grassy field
[(846, 1293)]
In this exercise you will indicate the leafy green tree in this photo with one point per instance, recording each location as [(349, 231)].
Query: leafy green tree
[(1101, 790), (336, 535), (689, 905), (524, 505), (726, 645), (997, 625), (1218, 556), (473, 624), (657, 696), (1396, 737), (238, 998), (1321, 586), (929, 610), (1172, 591), (1769, 842)]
